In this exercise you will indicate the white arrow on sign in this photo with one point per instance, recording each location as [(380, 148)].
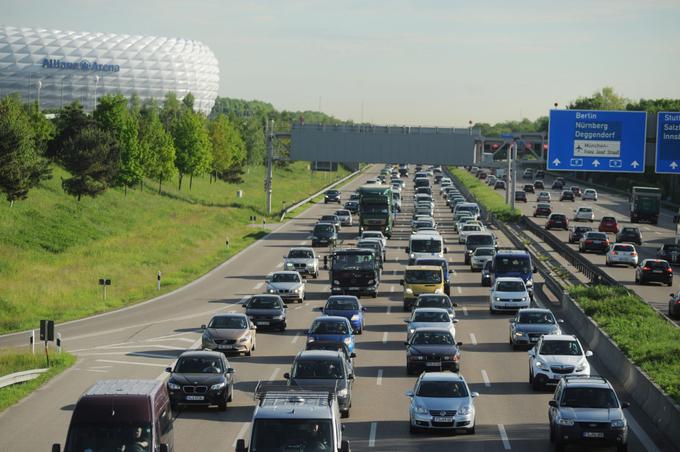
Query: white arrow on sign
[(674, 165), (556, 162), (596, 163), (635, 164)]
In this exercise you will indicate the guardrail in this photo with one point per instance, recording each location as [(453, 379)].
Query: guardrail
[(20, 377)]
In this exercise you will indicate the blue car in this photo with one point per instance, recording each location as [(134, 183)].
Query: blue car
[(332, 329), (346, 306), (439, 262)]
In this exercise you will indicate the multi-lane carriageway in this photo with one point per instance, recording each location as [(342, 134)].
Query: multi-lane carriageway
[(139, 342)]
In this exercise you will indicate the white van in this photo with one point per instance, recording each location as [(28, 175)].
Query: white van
[(425, 245)]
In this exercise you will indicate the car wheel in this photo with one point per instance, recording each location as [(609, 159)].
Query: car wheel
[(412, 428), (531, 377), (471, 431), (606, 262), (622, 448), (559, 447), (552, 434), (249, 352), (222, 406), (344, 413), (315, 275), (536, 384)]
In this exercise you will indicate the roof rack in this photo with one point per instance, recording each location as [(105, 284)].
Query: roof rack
[(586, 377), (266, 390)]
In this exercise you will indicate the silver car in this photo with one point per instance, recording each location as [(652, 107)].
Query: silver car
[(621, 253), (429, 318), (480, 256), (543, 196), (441, 401), (303, 261), (589, 193), (288, 285), (584, 214), (345, 217)]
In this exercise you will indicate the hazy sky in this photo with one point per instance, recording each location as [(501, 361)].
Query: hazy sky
[(422, 62)]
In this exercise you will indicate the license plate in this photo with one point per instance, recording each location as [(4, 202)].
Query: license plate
[(225, 347), (195, 397), (657, 271), (433, 364), (443, 419), (353, 288), (593, 434), (597, 242), (261, 323)]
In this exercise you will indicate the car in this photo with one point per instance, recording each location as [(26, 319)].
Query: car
[(324, 234), (669, 252), (621, 253), (528, 174), (266, 311), (467, 229), (608, 224), (441, 401), (528, 188), (374, 235), (302, 260), (542, 210), (557, 221), (567, 196), (376, 246), (429, 318), (425, 223), (229, 333), (499, 185), (491, 180), (508, 294), (288, 285), (482, 175), (520, 196), (540, 174), (543, 196), (527, 327), (539, 185), (486, 274), (355, 197), (432, 349), (347, 306), (333, 219), (201, 378), (576, 190), (332, 328), (331, 196), (441, 301), (587, 411), (441, 262), (589, 194), (423, 210), (629, 234), (556, 356), (654, 270), (463, 220), (323, 367), (576, 232), (593, 241), (674, 306), (345, 217), (557, 184), (475, 240), (481, 256), (584, 214)]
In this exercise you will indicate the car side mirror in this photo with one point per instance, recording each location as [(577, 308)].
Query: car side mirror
[(455, 305), (530, 352), (231, 370), (474, 394), (406, 343), (56, 447), (352, 355), (511, 320), (672, 295), (364, 309), (241, 445), (589, 353), (409, 393), (244, 305), (350, 376), (459, 344), (407, 321), (552, 403), (318, 309), (163, 448), (454, 320), (168, 369), (446, 250), (203, 327), (344, 446), (401, 282), (625, 404), (285, 306), (406, 249), (534, 270), (286, 376), (253, 327), (450, 271)]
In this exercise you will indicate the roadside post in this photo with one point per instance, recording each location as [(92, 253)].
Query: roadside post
[(31, 340), (47, 335), (58, 342), (158, 280), (104, 282)]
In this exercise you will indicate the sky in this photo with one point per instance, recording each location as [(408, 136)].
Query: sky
[(425, 62)]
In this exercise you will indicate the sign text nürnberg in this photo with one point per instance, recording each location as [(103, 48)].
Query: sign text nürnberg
[(82, 65)]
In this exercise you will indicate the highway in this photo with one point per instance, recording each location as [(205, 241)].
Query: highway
[(139, 342)]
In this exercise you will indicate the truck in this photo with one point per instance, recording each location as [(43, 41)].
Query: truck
[(354, 271), (376, 209), (645, 204)]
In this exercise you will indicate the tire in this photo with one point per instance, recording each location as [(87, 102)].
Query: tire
[(222, 406), (471, 431), (315, 275), (622, 448), (552, 434), (559, 447), (249, 352), (412, 429), (374, 295), (409, 371), (531, 377), (536, 385), (344, 414)]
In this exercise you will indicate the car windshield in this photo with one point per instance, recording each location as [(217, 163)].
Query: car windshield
[(585, 210), (471, 227), (423, 276), (429, 316), (568, 348), (432, 338), (330, 218), (543, 206), (285, 277), (510, 286), (354, 261), (299, 435), (442, 389), (433, 301), (670, 248), (329, 327), (513, 264), (589, 398), (228, 322), (479, 239), (318, 368), (109, 436), (198, 365), (484, 252), (656, 264), (342, 303), (373, 208), (300, 254), (426, 246), (264, 303), (536, 318), (324, 229)]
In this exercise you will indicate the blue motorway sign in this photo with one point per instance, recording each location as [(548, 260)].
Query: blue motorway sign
[(668, 143), (592, 140)]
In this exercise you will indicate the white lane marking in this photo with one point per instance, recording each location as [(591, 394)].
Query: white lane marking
[(385, 337), (101, 367), (183, 339), (465, 311), (295, 338), (391, 288), (473, 339), (504, 437), (97, 370), (132, 363), (641, 434), (304, 242), (389, 309), (274, 374), (240, 434), (307, 304), (379, 379), (459, 289), (151, 355), (485, 377), (279, 265), (170, 337), (259, 285), (371, 435), (658, 233), (298, 307)]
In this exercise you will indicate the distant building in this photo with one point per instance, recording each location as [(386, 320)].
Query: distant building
[(57, 67)]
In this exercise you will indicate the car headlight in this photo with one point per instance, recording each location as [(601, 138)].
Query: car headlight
[(409, 290), (278, 317), (523, 299), (529, 283), (335, 281), (567, 422), (244, 339), (419, 409), (347, 340), (464, 410), (218, 386), (540, 364), (519, 333), (618, 423), (173, 386), (438, 291), (271, 290), (497, 298), (582, 366), (299, 289), (355, 317), (413, 256), (343, 393)]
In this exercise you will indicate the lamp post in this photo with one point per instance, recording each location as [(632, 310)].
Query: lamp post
[(96, 82), (39, 88), (470, 127)]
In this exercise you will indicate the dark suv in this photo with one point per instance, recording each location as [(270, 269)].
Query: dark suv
[(586, 410), (331, 196), (557, 221), (324, 234), (629, 234)]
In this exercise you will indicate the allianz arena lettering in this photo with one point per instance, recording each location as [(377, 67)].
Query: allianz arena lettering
[(83, 65)]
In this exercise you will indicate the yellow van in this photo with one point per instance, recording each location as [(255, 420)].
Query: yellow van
[(419, 279)]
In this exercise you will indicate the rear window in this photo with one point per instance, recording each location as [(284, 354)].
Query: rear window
[(626, 248), (479, 239), (608, 219), (558, 216), (657, 264), (596, 236), (585, 209), (670, 248)]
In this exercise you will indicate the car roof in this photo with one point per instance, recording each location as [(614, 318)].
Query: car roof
[(421, 267), (501, 253), (424, 236), (537, 310), (592, 381), (559, 337), (509, 278), (436, 310), (319, 354), (228, 314), (285, 272), (330, 318), (301, 248), (439, 376), (201, 354), (434, 329), (432, 259)]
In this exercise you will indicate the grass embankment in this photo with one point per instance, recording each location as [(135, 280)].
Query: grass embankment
[(53, 250), (17, 361), (486, 196), (641, 333)]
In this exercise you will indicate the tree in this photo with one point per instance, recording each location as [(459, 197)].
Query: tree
[(69, 121), (605, 99), (171, 110), (228, 149), (653, 106), (192, 146), (92, 157), (252, 133), (22, 165), (157, 147), (43, 129), (189, 101)]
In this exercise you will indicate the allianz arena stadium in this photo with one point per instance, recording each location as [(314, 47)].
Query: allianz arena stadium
[(56, 67)]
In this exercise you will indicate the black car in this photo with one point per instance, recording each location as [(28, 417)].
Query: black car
[(499, 185), (486, 274), (542, 209), (528, 188), (576, 232), (539, 185), (520, 196), (324, 234), (331, 196), (201, 378), (567, 195), (654, 270), (352, 206), (334, 219), (557, 221), (557, 184), (540, 174), (266, 311), (629, 234), (670, 252), (432, 350), (333, 346), (594, 241)]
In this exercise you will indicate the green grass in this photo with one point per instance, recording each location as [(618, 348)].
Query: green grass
[(486, 196), (16, 361), (53, 250), (648, 339)]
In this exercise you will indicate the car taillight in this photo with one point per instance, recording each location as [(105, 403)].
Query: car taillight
[(589, 241), (615, 253), (669, 270), (633, 253), (646, 269)]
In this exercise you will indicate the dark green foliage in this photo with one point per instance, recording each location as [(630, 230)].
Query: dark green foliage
[(69, 121)]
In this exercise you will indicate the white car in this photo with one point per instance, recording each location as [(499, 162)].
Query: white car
[(480, 256), (464, 221), (543, 196), (556, 356), (429, 318), (345, 217), (374, 235), (584, 214), (621, 253), (288, 285), (467, 229), (589, 193), (509, 294)]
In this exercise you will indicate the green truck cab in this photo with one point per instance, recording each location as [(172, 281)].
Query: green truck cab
[(645, 204), (376, 209)]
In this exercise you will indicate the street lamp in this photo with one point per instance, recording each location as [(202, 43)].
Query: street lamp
[(555, 104), (96, 82), (470, 127)]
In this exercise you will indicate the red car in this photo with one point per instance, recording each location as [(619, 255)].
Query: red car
[(557, 221), (609, 224)]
